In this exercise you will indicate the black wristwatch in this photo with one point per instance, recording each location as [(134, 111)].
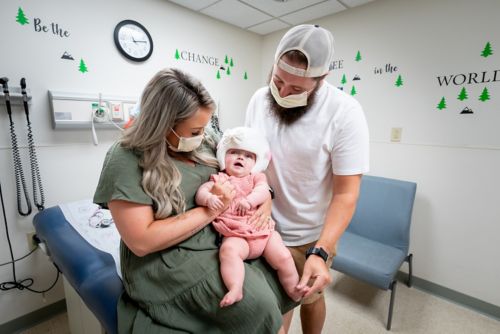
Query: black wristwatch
[(319, 251), (271, 191)]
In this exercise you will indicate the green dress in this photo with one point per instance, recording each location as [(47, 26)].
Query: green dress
[(178, 289)]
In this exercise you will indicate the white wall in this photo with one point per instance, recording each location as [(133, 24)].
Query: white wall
[(69, 163), (455, 231), (453, 158)]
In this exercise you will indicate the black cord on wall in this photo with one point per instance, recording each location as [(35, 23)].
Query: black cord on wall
[(26, 283)]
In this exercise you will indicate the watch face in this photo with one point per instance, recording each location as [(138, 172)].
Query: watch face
[(133, 40)]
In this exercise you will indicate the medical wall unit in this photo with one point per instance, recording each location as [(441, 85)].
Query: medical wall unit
[(16, 97), (82, 111)]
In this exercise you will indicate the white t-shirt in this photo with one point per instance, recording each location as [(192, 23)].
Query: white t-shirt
[(332, 137)]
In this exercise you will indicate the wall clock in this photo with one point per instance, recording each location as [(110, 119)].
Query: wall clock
[(133, 40)]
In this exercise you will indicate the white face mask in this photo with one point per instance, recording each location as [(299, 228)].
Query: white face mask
[(290, 101), (186, 144)]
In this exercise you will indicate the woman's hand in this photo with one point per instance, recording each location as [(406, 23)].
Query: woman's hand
[(261, 219), (225, 192)]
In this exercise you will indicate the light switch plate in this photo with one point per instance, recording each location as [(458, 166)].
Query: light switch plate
[(396, 134)]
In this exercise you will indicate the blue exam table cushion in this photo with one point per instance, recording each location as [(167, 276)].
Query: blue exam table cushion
[(91, 272)]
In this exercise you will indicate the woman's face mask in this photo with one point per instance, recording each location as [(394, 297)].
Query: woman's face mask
[(186, 144), (290, 101)]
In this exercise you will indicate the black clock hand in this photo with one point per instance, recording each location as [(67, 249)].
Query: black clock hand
[(139, 41)]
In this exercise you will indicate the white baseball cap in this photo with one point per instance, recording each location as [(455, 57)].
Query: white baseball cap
[(247, 139), (314, 42)]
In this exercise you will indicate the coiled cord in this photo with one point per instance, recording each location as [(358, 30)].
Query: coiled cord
[(19, 173), (35, 170)]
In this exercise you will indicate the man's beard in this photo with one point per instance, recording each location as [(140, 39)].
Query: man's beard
[(288, 116)]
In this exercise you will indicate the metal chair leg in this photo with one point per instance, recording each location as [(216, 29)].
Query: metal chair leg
[(391, 305), (409, 258)]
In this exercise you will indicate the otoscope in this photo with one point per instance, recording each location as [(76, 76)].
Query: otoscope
[(3, 82)]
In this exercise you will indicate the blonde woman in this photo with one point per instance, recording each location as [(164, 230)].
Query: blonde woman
[(169, 254)]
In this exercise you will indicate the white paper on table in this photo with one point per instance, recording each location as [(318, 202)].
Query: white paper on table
[(105, 239)]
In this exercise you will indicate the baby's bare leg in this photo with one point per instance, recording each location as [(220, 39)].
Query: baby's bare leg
[(232, 253), (279, 257)]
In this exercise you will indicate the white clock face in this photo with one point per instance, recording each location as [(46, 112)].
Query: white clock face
[(133, 41)]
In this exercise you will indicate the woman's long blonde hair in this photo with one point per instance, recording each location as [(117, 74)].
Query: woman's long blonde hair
[(170, 97)]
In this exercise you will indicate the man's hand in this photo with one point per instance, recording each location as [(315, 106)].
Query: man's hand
[(316, 274), (261, 219)]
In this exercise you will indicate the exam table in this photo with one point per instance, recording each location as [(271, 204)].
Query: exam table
[(91, 272)]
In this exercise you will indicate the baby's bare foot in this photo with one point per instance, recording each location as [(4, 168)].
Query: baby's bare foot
[(231, 297), (296, 294)]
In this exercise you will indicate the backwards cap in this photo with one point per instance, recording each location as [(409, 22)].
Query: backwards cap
[(247, 139), (314, 42)]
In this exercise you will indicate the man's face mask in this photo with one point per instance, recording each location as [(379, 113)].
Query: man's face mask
[(290, 101), (186, 144)]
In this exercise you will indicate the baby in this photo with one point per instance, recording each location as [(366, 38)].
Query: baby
[(243, 154)]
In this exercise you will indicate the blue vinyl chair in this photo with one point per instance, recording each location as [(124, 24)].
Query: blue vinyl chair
[(375, 244)]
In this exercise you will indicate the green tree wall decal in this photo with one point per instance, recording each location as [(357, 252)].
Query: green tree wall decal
[(82, 68), (344, 80), (218, 74), (245, 76), (228, 72), (485, 95), (399, 81), (487, 51), (353, 91), (177, 56), (231, 62), (463, 95), (442, 104), (21, 18), (226, 60), (358, 56)]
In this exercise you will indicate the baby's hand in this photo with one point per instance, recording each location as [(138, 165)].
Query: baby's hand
[(242, 206), (214, 203)]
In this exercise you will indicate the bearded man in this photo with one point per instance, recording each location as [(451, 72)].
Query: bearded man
[(320, 149)]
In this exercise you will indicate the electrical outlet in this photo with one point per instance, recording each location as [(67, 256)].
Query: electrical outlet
[(396, 134), (31, 242)]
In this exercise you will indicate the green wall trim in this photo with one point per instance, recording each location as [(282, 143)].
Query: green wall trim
[(33, 318), (456, 297)]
